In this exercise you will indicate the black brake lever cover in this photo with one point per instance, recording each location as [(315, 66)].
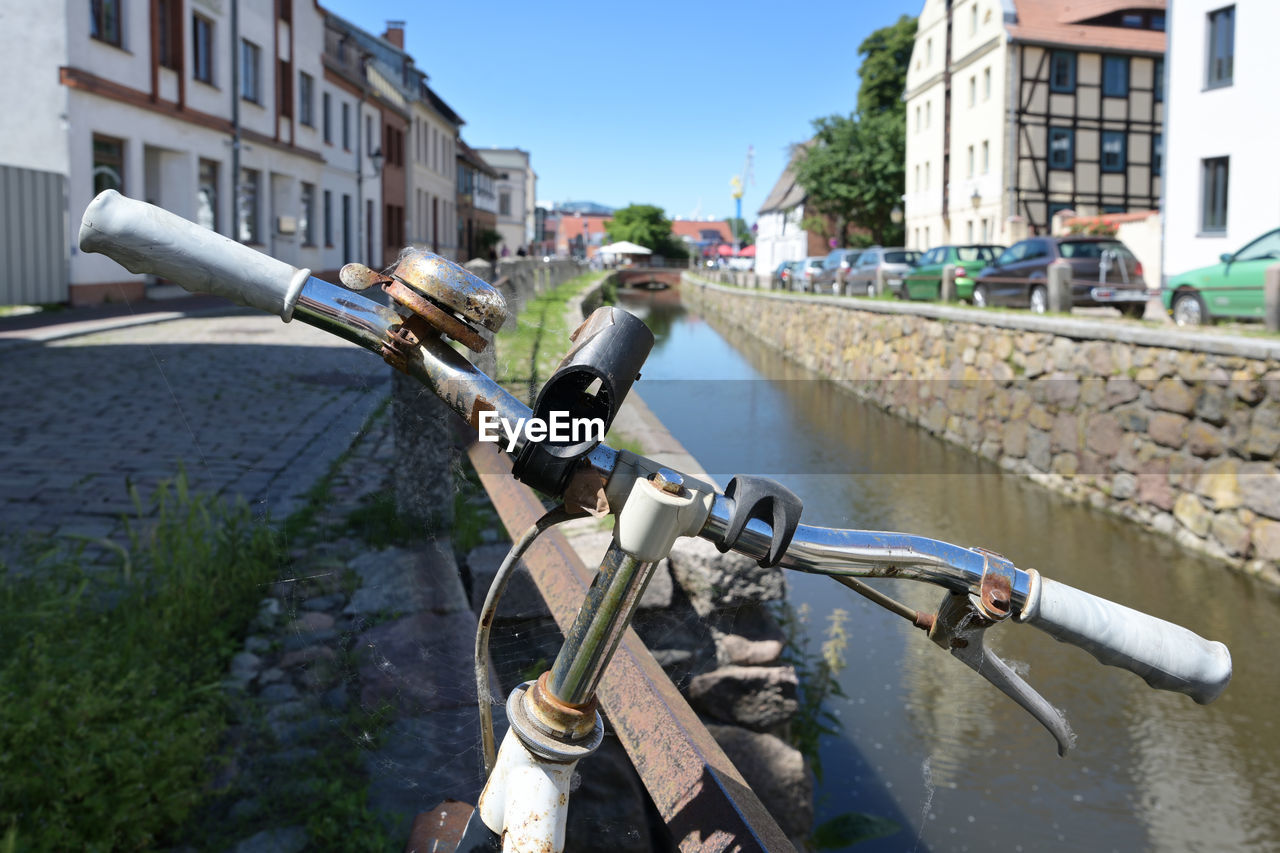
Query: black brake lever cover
[(768, 501)]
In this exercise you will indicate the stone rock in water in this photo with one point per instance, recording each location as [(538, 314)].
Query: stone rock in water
[(775, 771), (758, 697), (715, 581)]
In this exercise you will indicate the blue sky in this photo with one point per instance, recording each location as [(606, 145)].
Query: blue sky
[(650, 102)]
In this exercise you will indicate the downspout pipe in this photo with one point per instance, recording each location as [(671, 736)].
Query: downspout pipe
[(361, 243), (235, 119)]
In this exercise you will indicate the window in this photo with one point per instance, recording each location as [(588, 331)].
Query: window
[(1213, 193), (285, 10), (504, 203), (917, 178), (202, 49), (250, 71), (307, 215), (1062, 148), (1157, 154), (969, 231), (328, 219), (346, 126), (104, 21), (169, 33), (1222, 48), (1265, 248), (306, 87), (1062, 71), (326, 115), (1158, 82), (986, 157), (368, 134), (207, 195), (928, 113), (928, 51), (970, 174), (1115, 76), (249, 184), (918, 113), (284, 89), (973, 29), (973, 90), (1113, 151), (986, 84), (926, 175), (108, 164)]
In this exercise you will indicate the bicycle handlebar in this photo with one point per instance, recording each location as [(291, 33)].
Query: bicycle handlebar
[(1166, 656), (146, 239)]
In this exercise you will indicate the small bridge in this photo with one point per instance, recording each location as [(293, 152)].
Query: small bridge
[(647, 278)]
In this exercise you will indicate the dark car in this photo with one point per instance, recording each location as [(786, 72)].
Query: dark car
[(1103, 272), (782, 274), (835, 269)]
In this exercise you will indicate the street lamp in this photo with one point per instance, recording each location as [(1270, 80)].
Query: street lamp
[(376, 157), (895, 215)]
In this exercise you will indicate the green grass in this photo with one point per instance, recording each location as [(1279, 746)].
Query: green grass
[(529, 353), (111, 699)]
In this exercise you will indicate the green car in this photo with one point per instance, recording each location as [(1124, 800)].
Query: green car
[(925, 279), (1232, 288)]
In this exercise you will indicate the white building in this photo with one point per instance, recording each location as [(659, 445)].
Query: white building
[(433, 181), (516, 187), (1018, 109), (139, 97), (1223, 179), (779, 236)]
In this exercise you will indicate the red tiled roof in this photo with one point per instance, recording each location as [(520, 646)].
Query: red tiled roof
[(573, 226), (693, 229), (1053, 22)]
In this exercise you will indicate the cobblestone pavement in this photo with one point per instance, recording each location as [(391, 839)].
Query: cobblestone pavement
[(247, 405)]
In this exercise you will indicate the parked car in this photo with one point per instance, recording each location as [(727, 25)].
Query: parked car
[(1233, 287), (1103, 272), (924, 281), (876, 266), (835, 269), (780, 274), (802, 278)]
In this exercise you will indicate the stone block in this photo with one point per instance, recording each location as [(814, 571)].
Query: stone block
[(1065, 434), (1264, 433), (1015, 439), (1204, 440), (1266, 539), (1153, 484), (1219, 482), (1104, 435), (1040, 418), (1038, 453), (1124, 486), (1192, 514), (1121, 390), (775, 771), (1260, 488), (757, 697), (1168, 429), (721, 581), (1231, 534)]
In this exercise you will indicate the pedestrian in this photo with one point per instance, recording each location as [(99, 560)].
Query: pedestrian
[(505, 251)]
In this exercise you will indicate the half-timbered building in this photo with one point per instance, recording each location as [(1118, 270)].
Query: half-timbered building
[(1019, 109)]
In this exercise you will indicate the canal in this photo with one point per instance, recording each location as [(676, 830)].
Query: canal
[(921, 739)]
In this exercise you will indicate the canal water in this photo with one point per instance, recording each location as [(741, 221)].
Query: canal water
[(924, 741)]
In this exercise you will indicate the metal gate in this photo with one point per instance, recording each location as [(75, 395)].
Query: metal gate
[(34, 254)]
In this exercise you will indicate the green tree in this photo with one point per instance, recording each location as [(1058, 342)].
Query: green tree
[(741, 231), (852, 170), (645, 225)]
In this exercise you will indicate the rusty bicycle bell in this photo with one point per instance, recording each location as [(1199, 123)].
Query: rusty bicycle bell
[(439, 295)]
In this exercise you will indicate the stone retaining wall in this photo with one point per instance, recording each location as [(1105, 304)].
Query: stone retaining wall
[(1178, 431)]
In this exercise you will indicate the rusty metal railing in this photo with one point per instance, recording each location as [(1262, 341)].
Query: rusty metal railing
[(701, 796)]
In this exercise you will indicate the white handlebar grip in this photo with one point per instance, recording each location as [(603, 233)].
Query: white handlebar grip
[(1166, 656), (144, 239)]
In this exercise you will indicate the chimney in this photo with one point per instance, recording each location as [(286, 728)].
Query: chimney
[(395, 33)]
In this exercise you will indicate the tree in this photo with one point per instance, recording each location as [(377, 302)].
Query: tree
[(741, 231), (645, 225), (852, 170)]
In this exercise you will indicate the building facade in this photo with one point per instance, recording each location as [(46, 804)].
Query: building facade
[(1223, 185), (436, 184), (477, 202), (779, 236), (517, 190), (179, 105), (1020, 109)]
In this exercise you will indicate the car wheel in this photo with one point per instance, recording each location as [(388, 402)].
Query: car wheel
[(1039, 300), (981, 298), (871, 289), (1188, 309)]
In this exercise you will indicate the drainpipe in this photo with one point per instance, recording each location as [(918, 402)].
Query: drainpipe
[(360, 223), (235, 120)]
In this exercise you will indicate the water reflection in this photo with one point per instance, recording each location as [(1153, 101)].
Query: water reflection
[(963, 766)]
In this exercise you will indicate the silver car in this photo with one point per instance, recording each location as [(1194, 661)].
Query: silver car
[(880, 270), (805, 271)]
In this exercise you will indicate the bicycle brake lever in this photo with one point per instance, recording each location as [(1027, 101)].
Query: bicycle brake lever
[(959, 628)]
